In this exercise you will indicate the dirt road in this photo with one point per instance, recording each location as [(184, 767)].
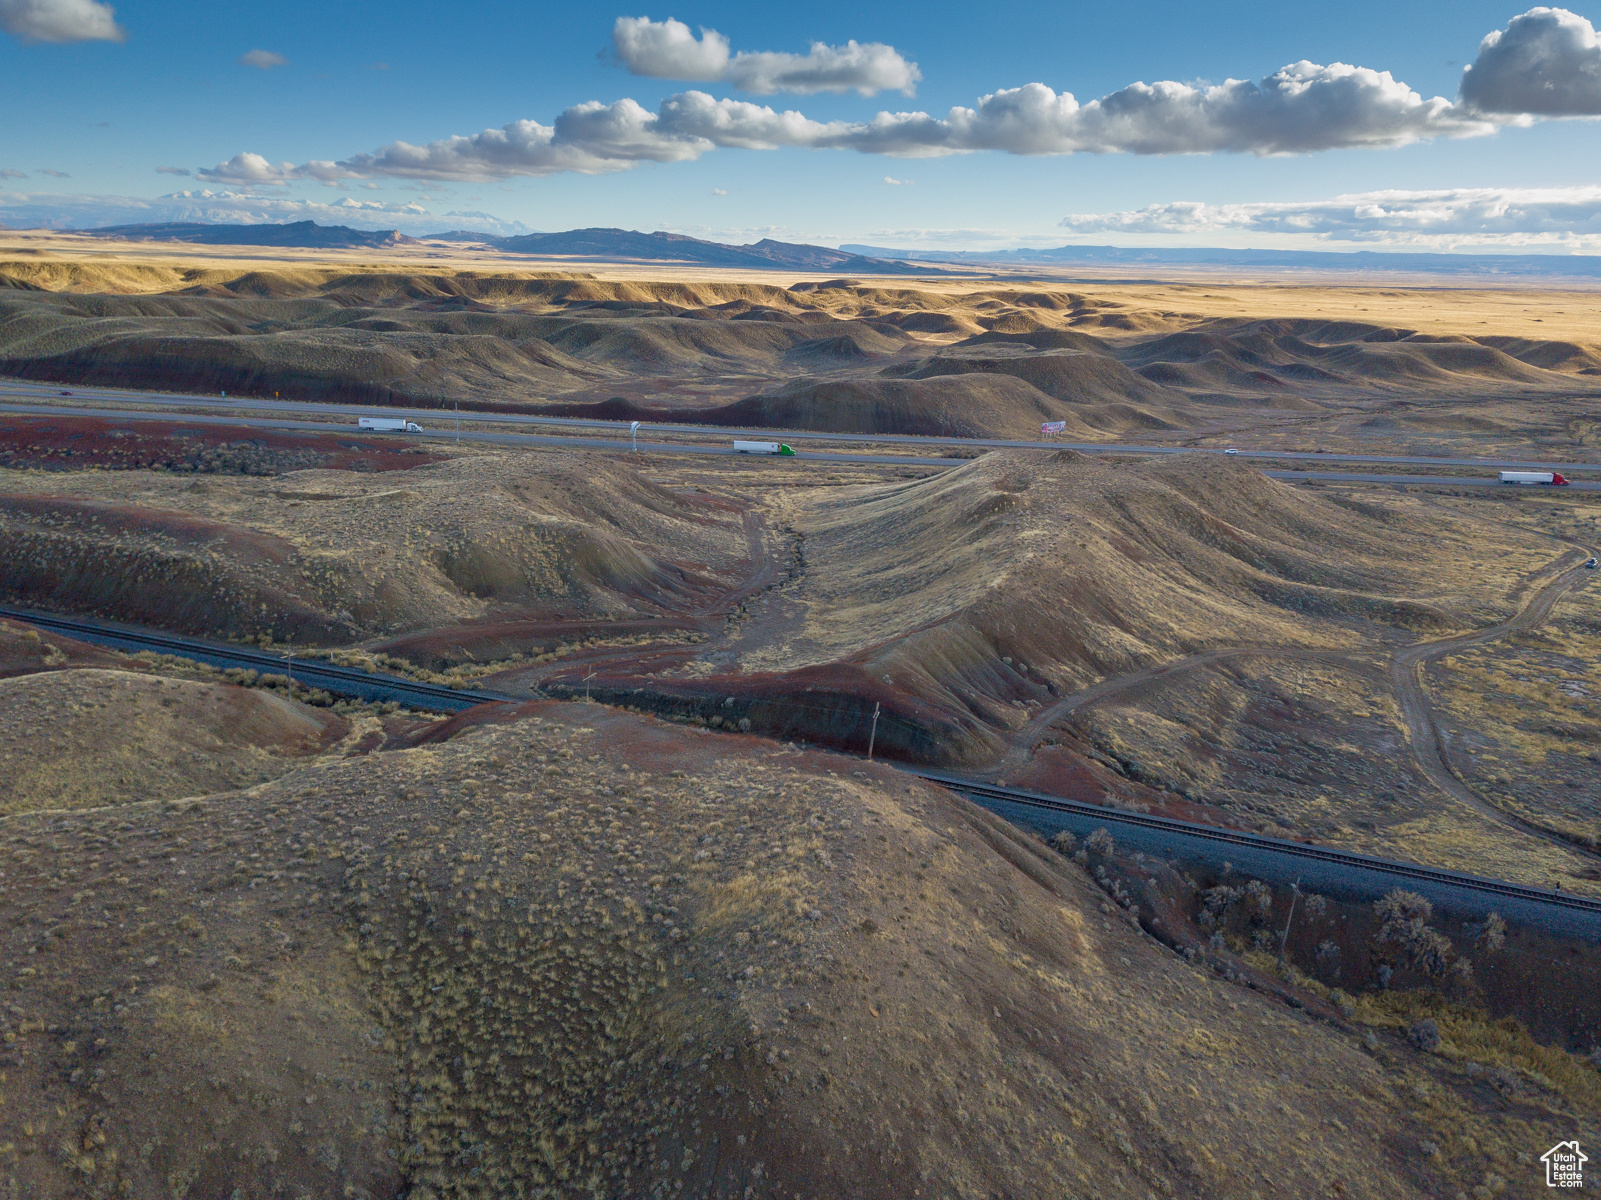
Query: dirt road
[(1406, 680), (1405, 675), (1029, 736)]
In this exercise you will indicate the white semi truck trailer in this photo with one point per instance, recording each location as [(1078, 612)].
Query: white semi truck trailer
[(387, 425), (1534, 478)]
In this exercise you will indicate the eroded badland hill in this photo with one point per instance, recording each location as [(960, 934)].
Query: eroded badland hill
[(655, 926), (590, 953)]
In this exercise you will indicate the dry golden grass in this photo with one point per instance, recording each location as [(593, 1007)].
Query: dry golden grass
[(87, 738), (1518, 308)]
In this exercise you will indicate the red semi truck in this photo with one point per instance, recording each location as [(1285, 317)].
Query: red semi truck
[(1549, 478)]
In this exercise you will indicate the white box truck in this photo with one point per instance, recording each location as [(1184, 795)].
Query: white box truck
[(1534, 478), (387, 425), (762, 448)]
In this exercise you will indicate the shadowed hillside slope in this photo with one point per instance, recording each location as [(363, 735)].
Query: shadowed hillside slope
[(983, 592), (728, 351), (333, 556), (960, 602)]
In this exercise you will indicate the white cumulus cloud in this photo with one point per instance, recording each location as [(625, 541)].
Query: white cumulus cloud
[(670, 50), (262, 59), (590, 139), (60, 21), (1302, 108), (1440, 219), (854, 67), (1546, 62), (250, 168)]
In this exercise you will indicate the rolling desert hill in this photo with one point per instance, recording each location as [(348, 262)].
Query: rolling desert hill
[(827, 354), (90, 728), (666, 944), (577, 950), (169, 737), (965, 606), (335, 556), (981, 593)]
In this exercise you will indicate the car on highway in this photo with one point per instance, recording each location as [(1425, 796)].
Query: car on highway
[(66, 393), (1231, 450)]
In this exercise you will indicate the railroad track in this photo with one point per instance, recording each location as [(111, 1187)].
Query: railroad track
[(1339, 873), (344, 681), (1345, 870)]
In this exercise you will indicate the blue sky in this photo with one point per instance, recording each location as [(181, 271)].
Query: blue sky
[(1507, 171)]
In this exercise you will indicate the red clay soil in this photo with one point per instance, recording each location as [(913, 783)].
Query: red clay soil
[(168, 579), (81, 443), (25, 650), (829, 704), (1057, 770), (500, 639), (180, 528)]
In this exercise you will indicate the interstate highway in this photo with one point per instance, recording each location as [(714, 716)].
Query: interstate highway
[(617, 444), (15, 392)]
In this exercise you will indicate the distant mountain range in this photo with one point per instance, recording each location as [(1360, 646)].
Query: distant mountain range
[(303, 234), (620, 244), (632, 246), (1582, 266), (676, 247)]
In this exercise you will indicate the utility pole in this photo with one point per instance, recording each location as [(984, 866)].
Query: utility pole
[(289, 662), (1295, 894), (873, 736), (458, 422), (587, 678)]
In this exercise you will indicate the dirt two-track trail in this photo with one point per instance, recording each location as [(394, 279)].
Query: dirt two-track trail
[(764, 569), (1406, 681)]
